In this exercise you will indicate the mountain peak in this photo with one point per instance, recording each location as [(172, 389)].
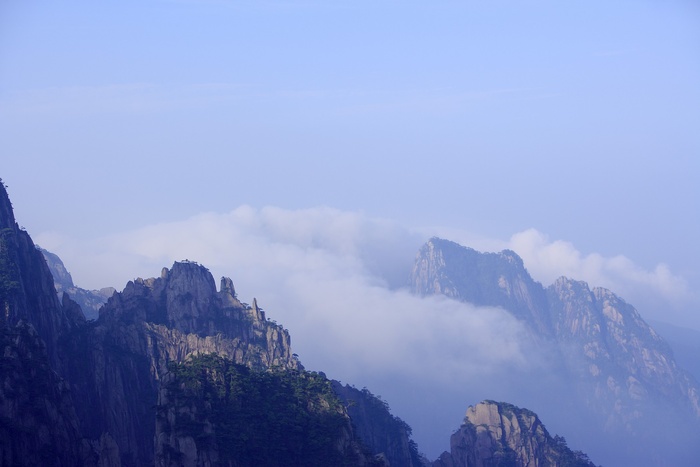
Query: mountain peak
[(498, 433), (7, 216), (485, 279)]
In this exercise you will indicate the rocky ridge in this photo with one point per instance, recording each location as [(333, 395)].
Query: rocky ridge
[(87, 393), (499, 434), (120, 359), (623, 372), (90, 301)]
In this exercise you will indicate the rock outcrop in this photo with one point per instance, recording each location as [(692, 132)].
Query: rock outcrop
[(622, 371), (377, 428), (489, 279), (499, 434), (38, 421), (116, 391), (119, 360), (90, 301)]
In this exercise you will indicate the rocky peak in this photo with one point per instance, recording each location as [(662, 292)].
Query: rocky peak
[(27, 289), (227, 292), (7, 216), (89, 301), (61, 277), (486, 279), (497, 433), (190, 297)]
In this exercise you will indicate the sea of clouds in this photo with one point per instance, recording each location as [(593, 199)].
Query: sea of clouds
[(338, 281)]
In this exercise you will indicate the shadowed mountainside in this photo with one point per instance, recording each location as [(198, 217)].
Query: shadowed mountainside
[(620, 370)]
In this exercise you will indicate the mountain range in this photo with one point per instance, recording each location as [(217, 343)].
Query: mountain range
[(173, 371)]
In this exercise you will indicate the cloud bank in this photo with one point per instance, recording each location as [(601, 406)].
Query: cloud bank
[(547, 260), (337, 280), (337, 277)]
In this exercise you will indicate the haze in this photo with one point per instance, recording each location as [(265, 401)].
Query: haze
[(307, 149)]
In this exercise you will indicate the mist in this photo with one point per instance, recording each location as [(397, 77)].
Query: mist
[(337, 281)]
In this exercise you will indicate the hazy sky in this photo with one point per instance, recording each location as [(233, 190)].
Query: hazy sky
[(308, 148)]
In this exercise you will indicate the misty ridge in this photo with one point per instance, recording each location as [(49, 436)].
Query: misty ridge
[(341, 284), (340, 234)]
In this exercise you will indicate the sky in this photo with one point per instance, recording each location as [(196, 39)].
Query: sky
[(307, 149)]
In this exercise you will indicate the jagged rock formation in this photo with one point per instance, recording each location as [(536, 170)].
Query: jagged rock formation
[(37, 411), (101, 393), (499, 434), (491, 279), (119, 360), (623, 371), (378, 429), (90, 301)]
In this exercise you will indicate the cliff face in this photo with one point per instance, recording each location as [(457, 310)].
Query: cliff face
[(623, 371), (498, 434), (377, 428), (90, 301), (488, 279), (119, 360), (625, 362), (119, 390), (38, 422), (26, 286)]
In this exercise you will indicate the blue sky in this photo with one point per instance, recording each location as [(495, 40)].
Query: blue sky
[(306, 149), (480, 119)]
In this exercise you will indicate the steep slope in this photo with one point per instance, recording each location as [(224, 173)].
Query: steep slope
[(377, 428), (116, 390), (489, 279), (38, 422), (212, 411), (26, 286), (119, 360), (625, 362), (499, 434), (90, 301), (620, 370)]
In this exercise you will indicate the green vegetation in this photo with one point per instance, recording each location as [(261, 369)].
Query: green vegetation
[(256, 418)]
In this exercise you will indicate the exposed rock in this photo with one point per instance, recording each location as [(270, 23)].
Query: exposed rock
[(377, 428), (119, 360), (489, 279), (500, 434), (26, 286), (623, 371), (90, 301), (113, 366), (628, 362)]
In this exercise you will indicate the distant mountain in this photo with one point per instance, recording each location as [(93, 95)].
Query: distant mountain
[(90, 301), (685, 343), (621, 371), (499, 434)]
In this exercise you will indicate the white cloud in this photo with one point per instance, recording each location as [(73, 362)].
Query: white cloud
[(334, 279), (547, 260)]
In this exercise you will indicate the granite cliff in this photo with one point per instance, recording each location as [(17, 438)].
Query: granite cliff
[(90, 301), (166, 356), (499, 434), (621, 371)]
